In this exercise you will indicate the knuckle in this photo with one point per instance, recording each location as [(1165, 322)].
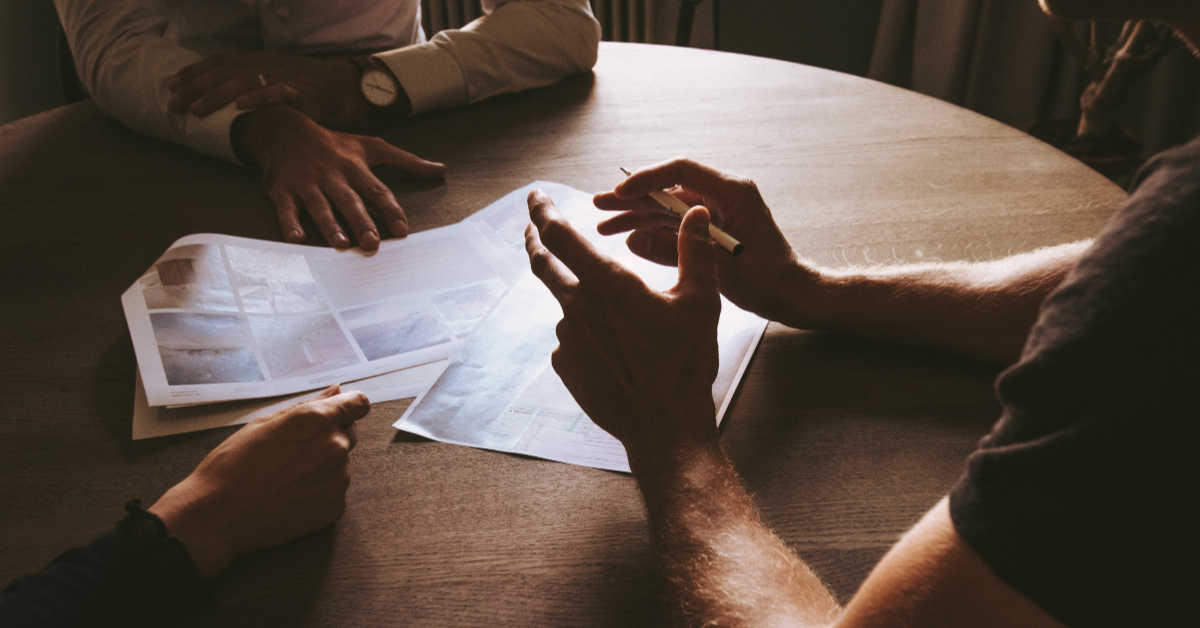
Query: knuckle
[(747, 186), (558, 360), (682, 162), (539, 261), (555, 231)]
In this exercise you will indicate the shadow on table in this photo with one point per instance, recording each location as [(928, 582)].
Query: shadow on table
[(846, 442)]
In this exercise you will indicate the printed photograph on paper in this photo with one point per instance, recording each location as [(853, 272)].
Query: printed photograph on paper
[(465, 307), (204, 348), (391, 328), (302, 344), (273, 282), (189, 278)]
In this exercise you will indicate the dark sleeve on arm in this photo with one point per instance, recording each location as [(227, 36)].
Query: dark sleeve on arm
[(1080, 496), (133, 576)]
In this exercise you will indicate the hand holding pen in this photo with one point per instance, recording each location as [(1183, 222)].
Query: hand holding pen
[(765, 278)]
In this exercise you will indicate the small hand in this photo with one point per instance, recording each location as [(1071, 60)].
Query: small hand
[(276, 479), (641, 363), (326, 90), (306, 165), (761, 279)]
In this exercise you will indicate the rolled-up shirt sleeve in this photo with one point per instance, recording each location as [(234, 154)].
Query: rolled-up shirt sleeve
[(123, 54), (516, 45)]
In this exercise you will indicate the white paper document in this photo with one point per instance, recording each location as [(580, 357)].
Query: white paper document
[(500, 392), (220, 318), (151, 422)]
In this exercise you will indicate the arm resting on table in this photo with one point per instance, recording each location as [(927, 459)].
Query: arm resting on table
[(518, 46), (123, 55), (981, 309), (134, 575)]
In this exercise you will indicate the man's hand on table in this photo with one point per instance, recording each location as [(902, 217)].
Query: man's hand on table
[(766, 278), (276, 479), (305, 165), (640, 362), (327, 90)]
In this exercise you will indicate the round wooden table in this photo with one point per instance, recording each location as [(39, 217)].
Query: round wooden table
[(845, 442)]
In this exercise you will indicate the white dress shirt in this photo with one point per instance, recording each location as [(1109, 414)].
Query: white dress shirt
[(125, 49)]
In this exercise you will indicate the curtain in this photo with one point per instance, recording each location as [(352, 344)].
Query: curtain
[(1003, 59)]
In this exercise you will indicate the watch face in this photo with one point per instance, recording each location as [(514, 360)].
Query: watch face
[(379, 88)]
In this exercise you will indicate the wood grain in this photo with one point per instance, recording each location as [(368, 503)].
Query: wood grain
[(845, 442)]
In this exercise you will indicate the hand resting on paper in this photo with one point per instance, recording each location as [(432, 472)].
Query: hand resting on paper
[(305, 165), (275, 480), (641, 363)]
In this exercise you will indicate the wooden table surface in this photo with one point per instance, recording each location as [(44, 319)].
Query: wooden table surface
[(845, 442)]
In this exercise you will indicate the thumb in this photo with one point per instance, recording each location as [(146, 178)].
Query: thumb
[(342, 409), (697, 258)]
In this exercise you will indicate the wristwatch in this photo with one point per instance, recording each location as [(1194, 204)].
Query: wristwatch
[(379, 88)]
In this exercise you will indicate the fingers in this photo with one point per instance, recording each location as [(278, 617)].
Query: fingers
[(630, 221), (277, 94), (612, 202), (351, 207), (547, 268), (342, 409), (684, 172), (657, 245), (223, 94), (380, 152), (565, 243), (288, 214), (190, 72), (330, 391), (318, 208), (188, 93), (697, 260), (374, 192)]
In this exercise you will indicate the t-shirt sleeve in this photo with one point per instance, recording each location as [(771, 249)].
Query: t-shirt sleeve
[(1078, 497), (135, 575)]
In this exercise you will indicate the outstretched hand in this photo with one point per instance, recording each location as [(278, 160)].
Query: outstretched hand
[(755, 280), (274, 480), (305, 165), (640, 362)]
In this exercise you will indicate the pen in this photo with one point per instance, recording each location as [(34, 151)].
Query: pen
[(669, 202)]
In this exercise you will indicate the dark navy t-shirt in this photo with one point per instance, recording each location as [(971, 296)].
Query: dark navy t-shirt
[(1081, 496)]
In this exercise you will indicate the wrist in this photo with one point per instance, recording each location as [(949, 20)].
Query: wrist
[(255, 134), (352, 111), (670, 470), (809, 298), (669, 445), (189, 514)]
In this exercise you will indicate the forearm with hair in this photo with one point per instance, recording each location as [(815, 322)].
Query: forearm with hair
[(721, 563), (980, 309)]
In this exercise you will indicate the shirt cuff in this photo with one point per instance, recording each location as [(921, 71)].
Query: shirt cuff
[(429, 74), (210, 134)]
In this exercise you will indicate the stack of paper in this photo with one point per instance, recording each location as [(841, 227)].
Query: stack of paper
[(227, 329)]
